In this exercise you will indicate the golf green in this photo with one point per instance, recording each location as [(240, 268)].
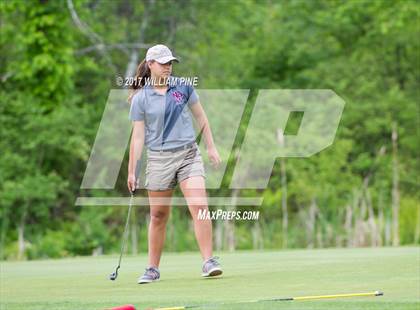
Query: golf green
[(82, 282)]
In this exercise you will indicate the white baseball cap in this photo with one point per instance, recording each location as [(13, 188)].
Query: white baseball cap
[(160, 53)]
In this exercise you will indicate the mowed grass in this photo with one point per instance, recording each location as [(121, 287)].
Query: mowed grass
[(82, 283)]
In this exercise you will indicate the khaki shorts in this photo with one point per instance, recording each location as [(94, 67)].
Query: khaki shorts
[(165, 169)]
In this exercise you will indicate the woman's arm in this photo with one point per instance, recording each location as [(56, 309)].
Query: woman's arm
[(136, 148), (203, 123)]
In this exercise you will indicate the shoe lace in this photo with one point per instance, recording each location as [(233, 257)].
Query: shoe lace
[(213, 260), (152, 271)]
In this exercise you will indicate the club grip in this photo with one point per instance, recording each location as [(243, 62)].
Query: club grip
[(136, 174)]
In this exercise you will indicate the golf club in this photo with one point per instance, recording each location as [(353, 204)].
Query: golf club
[(369, 294), (113, 276)]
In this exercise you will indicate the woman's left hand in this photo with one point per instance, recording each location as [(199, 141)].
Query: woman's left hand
[(214, 157)]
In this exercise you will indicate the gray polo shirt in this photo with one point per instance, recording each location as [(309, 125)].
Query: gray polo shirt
[(167, 119)]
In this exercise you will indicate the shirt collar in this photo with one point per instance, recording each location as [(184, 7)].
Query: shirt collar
[(172, 84)]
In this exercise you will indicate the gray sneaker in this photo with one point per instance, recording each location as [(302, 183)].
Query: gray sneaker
[(151, 274), (211, 267)]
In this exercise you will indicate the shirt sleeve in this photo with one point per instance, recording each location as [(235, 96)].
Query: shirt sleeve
[(137, 108), (193, 96)]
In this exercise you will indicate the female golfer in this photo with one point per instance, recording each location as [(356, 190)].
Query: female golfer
[(161, 121)]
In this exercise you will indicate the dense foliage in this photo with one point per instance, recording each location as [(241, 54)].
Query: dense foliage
[(59, 60)]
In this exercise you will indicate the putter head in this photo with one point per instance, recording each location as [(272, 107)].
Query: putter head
[(113, 276)]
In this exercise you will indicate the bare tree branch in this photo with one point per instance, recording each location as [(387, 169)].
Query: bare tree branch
[(6, 75), (121, 46), (92, 36), (134, 55), (171, 29)]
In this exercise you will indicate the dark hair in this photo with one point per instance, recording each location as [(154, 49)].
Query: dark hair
[(142, 74)]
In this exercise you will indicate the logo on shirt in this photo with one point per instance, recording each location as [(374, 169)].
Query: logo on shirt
[(178, 96)]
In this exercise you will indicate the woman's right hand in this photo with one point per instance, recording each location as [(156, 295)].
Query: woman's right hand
[(136, 147), (131, 182)]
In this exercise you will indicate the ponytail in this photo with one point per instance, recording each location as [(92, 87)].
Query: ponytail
[(142, 74)]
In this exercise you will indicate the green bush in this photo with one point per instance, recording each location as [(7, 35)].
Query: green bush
[(51, 245)]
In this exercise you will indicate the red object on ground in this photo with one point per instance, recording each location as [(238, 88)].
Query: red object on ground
[(125, 307)]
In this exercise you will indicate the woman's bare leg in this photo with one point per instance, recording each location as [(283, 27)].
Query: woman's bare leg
[(159, 213), (194, 192)]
